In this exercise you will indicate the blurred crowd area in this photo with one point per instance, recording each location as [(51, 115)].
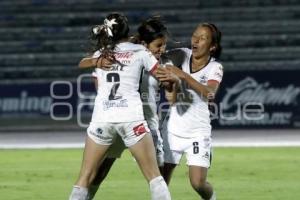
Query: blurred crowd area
[(42, 41)]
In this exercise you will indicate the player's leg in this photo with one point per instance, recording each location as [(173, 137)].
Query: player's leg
[(115, 151), (94, 153), (198, 160), (167, 171), (92, 157), (100, 176), (140, 144), (198, 180), (171, 157), (144, 153)]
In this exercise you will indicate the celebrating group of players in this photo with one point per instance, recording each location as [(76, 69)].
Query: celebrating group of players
[(129, 73)]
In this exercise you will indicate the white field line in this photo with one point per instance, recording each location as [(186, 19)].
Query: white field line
[(42, 146), (258, 144), (215, 144)]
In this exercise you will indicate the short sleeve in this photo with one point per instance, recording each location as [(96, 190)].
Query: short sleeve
[(216, 73), (149, 61), (97, 73), (94, 74)]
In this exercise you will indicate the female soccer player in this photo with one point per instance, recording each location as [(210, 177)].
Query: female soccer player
[(188, 128), (153, 35), (118, 109)]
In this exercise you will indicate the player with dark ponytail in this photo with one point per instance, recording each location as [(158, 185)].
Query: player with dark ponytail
[(118, 108), (188, 129)]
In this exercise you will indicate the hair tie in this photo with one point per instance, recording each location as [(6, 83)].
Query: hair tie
[(108, 26), (97, 29)]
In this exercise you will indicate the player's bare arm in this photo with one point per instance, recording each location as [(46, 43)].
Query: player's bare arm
[(207, 91), (101, 62)]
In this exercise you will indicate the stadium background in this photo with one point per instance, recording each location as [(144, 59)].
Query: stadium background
[(42, 41)]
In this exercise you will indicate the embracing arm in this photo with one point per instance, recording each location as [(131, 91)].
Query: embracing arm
[(205, 90), (87, 62), (96, 61)]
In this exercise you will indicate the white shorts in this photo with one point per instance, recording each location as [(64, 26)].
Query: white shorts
[(117, 148), (197, 149), (106, 133)]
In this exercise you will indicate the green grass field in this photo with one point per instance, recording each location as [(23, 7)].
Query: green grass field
[(237, 174)]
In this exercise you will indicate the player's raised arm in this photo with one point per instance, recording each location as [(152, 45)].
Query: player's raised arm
[(87, 62), (96, 60)]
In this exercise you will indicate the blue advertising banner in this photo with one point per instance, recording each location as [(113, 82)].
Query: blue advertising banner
[(246, 99), (57, 99), (258, 99)]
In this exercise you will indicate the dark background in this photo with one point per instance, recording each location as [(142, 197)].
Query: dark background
[(42, 41)]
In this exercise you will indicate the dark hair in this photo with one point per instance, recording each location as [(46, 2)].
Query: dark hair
[(106, 36), (152, 29), (216, 39)]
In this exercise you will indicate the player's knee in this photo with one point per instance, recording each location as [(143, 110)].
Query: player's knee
[(198, 184)]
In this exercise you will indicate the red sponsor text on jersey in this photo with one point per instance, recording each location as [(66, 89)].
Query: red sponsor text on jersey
[(123, 55)]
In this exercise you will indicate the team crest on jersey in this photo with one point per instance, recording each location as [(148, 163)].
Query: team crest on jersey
[(219, 75), (99, 131), (203, 79), (96, 132)]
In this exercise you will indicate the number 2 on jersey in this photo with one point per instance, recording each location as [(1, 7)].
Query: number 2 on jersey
[(113, 78)]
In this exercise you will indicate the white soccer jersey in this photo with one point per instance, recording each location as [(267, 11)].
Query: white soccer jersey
[(118, 98), (190, 115)]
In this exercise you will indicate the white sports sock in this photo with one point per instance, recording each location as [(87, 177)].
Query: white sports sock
[(79, 193), (159, 189)]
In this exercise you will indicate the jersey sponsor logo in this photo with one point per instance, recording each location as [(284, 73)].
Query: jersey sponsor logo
[(139, 129), (123, 59), (117, 104), (123, 55)]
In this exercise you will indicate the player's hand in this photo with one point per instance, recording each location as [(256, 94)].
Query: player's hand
[(165, 74), (103, 63), (176, 72)]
